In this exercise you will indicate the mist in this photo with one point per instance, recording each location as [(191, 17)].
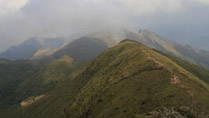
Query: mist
[(22, 19)]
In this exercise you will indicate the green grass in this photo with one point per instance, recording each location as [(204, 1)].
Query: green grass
[(48, 76), (83, 49), (123, 83), (123, 78), (12, 73), (198, 71), (37, 81)]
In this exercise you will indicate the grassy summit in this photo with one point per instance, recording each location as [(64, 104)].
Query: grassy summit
[(131, 80)]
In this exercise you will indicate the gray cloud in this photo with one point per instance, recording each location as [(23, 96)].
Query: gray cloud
[(74, 18)]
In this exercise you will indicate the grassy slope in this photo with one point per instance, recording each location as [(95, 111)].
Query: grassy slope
[(124, 82), (12, 73), (153, 40), (43, 80), (198, 71), (47, 77), (82, 49)]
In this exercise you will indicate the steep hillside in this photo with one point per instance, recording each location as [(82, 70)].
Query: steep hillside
[(12, 73), (152, 40), (144, 79), (43, 53), (83, 49), (49, 47), (187, 53), (23, 80), (126, 81), (111, 38), (48, 76), (198, 71), (89, 47)]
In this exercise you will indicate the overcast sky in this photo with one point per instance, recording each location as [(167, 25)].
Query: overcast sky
[(174, 19)]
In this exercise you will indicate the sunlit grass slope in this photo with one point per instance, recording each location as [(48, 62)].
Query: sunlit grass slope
[(48, 77)]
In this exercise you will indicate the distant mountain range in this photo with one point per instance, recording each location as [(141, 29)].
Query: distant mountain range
[(32, 48), (95, 44), (89, 47)]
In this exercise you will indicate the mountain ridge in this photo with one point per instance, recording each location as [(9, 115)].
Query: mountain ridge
[(187, 53), (127, 80), (97, 43)]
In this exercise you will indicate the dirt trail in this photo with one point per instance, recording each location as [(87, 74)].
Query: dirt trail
[(175, 79), (31, 100)]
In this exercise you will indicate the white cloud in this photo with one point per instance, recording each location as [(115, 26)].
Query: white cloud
[(11, 5), (74, 17), (202, 1), (69, 18), (146, 6)]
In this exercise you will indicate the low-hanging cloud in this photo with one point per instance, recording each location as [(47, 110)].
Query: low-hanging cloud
[(7, 6), (71, 18), (202, 1)]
